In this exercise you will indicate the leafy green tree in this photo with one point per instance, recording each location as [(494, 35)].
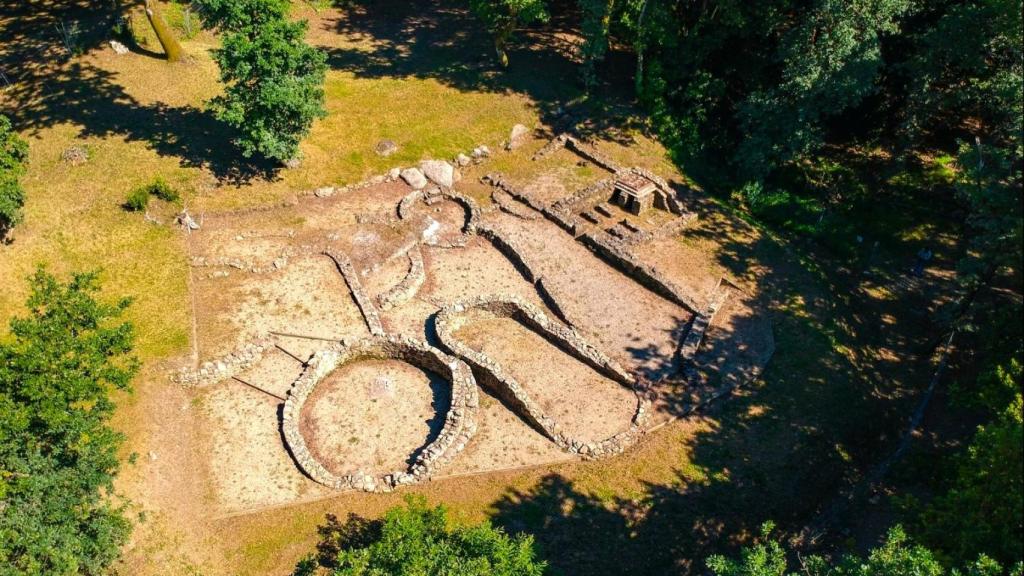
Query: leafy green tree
[(969, 63), (830, 62), (274, 80), (896, 557), (58, 457), (984, 509), (13, 155), (419, 540), (597, 17), (990, 182), (235, 15), (502, 17)]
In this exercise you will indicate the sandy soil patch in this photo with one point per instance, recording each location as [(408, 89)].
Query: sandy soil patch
[(307, 297), (625, 320), (247, 459), (504, 441), (374, 416), (684, 260), (278, 368), (476, 269), (585, 403)]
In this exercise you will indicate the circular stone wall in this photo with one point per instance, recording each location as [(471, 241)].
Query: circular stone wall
[(459, 422)]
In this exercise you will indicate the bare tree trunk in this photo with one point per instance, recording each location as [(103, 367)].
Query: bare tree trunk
[(501, 44), (163, 33), (639, 78)]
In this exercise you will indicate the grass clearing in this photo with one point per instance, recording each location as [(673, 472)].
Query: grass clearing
[(775, 451)]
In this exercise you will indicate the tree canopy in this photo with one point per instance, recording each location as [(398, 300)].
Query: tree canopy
[(13, 156), (418, 539), (896, 557), (59, 457), (273, 79)]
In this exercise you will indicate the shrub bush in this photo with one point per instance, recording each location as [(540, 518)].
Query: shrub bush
[(137, 200), (162, 190)]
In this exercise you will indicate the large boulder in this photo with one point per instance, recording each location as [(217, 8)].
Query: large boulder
[(440, 172), (517, 137), (413, 177)]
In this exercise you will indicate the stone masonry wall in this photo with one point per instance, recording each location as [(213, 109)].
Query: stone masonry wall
[(510, 249), (489, 373), (231, 364), (363, 302), (642, 273), (459, 425), (408, 286)]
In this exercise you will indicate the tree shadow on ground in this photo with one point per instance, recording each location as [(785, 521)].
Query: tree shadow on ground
[(441, 402), (817, 419), (445, 42), (50, 88), (88, 96)]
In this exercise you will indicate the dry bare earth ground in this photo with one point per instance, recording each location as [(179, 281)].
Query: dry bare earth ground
[(411, 72)]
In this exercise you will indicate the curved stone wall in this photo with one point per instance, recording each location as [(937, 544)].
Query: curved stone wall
[(408, 286), (459, 424), (489, 373)]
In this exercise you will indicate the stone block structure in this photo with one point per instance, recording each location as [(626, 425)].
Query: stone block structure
[(235, 362), (362, 300), (409, 285), (634, 193)]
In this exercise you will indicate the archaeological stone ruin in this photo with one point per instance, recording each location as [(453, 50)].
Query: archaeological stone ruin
[(423, 270)]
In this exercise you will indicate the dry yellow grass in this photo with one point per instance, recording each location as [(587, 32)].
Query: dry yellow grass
[(72, 217), (73, 221)]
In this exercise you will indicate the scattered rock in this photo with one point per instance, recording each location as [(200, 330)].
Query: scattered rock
[(462, 160), (386, 148), (480, 152), (440, 172), (118, 47), (517, 137), (292, 163), (76, 155), (394, 174), (324, 192), (413, 177)]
